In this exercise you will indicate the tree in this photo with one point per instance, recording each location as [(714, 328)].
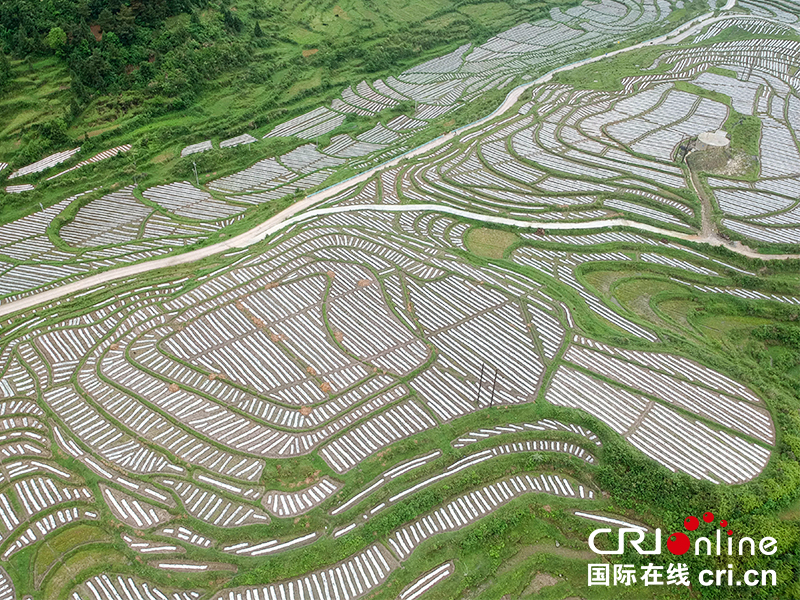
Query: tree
[(125, 25), (5, 70), (57, 39), (232, 21), (106, 20), (22, 45), (257, 31)]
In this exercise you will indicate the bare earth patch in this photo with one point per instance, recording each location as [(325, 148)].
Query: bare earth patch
[(163, 157), (542, 580)]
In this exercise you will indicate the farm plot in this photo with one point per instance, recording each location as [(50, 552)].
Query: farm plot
[(45, 163), (291, 504), (364, 330), (764, 88), (114, 229), (464, 464), (214, 508), (340, 338), (131, 379), (552, 171), (18, 189), (100, 156), (269, 547), (196, 148), (104, 436), (401, 469), (393, 425), (6, 586), (378, 296), (562, 266), (185, 200), (144, 547), (281, 302), (437, 86), (728, 411), (427, 581), (112, 219), (470, 507), (133, 512), (543, 425), (185, 535), (353, 578), (41, 527), (658, 430), (103, 587)]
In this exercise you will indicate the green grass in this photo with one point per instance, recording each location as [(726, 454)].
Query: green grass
[(62, 543), (720, 71), (607, 75), (793, 512), (635, 294), (685, 86), (490, 243), (78, 567), (745, 133)]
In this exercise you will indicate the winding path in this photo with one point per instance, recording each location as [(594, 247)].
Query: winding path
[(291, 214)]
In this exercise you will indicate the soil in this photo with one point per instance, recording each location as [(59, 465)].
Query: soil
[(542, 580)]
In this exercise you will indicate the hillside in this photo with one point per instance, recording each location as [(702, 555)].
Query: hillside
[(112, 70), (417, 335)]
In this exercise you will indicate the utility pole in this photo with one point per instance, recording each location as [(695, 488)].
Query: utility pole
[(494, 383), (480, 385), (197, 180)]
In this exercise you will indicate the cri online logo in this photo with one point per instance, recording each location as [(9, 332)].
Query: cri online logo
[(679, 543)]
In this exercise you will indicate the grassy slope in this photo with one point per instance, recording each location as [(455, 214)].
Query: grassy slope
[(286, 70), (284, 78)]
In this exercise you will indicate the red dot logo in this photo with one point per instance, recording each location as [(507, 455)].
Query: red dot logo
[(723, 523), (708, 517), (730, 532), (678, 543), (691, 523)]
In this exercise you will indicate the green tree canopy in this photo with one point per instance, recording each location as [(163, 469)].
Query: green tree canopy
[(57, 38)]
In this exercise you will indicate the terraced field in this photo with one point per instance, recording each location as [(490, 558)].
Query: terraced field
[(341, 339), (510, 325)]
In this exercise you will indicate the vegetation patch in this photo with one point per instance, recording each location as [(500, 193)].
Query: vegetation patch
[(490, 243)]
